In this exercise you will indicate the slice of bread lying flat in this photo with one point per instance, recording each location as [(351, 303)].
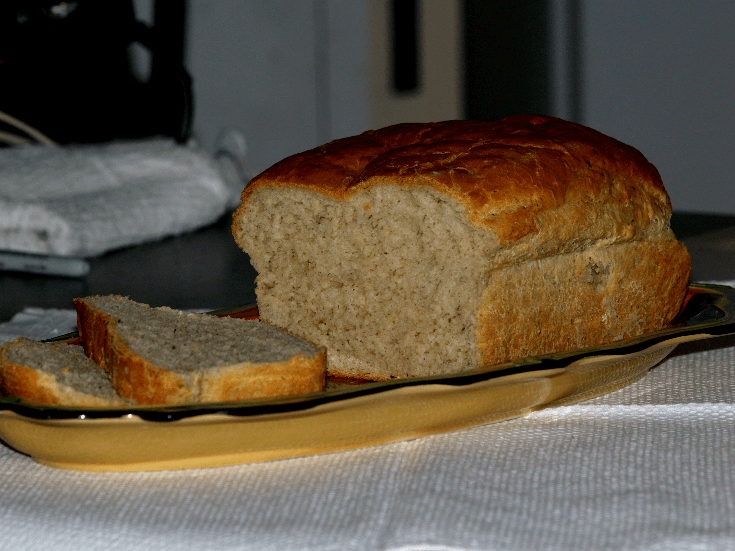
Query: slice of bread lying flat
[(164, 356), (53, 374), (422, 249)]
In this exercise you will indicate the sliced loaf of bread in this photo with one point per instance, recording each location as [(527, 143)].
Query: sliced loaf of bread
[(53, 374), (164, 356), (430, 248)]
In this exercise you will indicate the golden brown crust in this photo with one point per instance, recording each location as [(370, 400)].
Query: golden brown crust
[(93, 326), (141, 381), (579, 300), (25, 383), (299, 375), (133, 377), (137, 379), (38, 387), (549, 199), (505, 173)]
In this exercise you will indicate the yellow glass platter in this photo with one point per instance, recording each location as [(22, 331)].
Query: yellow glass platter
[(347, 415)]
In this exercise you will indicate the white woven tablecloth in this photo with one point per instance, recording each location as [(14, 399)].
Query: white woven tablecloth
[(651, 466)]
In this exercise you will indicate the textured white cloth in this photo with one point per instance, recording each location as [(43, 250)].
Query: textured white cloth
[(649, 467), (39, 323), (87, 199)]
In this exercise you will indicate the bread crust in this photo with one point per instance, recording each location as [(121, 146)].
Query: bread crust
[(507, 174), (589, 298), (36, 386), (22, 382), (553, 200), (137, 379)]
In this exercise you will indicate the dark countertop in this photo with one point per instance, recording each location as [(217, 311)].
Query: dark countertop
[(202, 269), (206, 269)]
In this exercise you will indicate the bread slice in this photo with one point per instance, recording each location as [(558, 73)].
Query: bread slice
[(164, 356), (422, 249), (53, 374)]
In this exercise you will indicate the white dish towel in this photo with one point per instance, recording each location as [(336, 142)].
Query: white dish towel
[(84, 200)]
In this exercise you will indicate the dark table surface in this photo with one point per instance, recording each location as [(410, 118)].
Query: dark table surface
[(202, 269), (206, 269)]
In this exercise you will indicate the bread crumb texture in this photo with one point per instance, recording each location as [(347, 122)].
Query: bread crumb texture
[(178, 341), (164, 356), (57, 374), (424, 249)]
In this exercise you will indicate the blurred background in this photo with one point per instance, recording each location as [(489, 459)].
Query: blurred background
[(287, 76), (291, 75)]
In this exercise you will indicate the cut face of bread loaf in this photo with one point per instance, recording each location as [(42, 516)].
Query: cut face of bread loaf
[(423, 249), (163, 356), (53, 374)]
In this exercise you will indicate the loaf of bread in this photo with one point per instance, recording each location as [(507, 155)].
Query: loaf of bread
[(164, 356), (424, 249), (53, 374)]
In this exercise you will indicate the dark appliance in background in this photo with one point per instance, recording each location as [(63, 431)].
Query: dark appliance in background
[(508, 57), (65, 69)]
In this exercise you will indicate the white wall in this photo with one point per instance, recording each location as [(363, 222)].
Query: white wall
[(287, 75), (661, 77), (440, 92), (254, 68), (293, 75)]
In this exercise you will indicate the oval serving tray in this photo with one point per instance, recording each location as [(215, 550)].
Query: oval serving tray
[(348, 414)]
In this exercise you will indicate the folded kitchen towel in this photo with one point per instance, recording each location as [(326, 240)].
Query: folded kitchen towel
[(84, 200)]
